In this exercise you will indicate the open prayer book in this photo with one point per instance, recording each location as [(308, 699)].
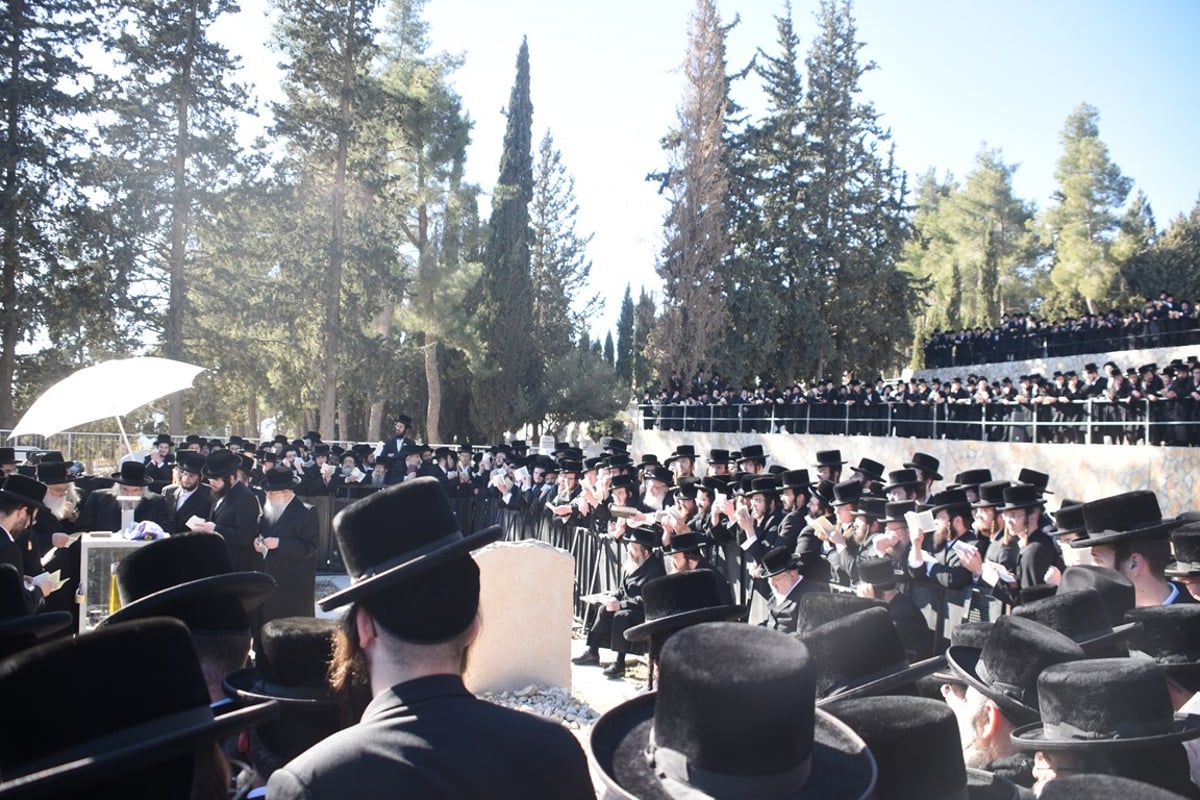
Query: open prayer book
[(597, 597), (52, 579)]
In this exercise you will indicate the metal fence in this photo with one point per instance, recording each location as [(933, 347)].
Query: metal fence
[(1092, 421)]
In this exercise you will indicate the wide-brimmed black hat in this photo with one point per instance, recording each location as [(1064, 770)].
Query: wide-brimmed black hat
[(615, 445), (752, 452), (873, 507), (648, 460), (648, 536), (971, 478), (280, 479), (1115, 589), (901, 731), (24, 490), (779, 559), (20, 630), (991, 494), (965, 634), (902, 479), (880, 572), (795, 479), (8, 455), (1021, 495), (193, 462), (157, 711), (687, 543), (861, 654), (819, 608), (291, 664), (1103, 787), (717, 456), (894, 512), (927, 464), (847, 493), (1170, 635), (628, 482), (721, 685), (53, 472), (681, 599), (829, 458), (396, 533), (1069, 518), (1131, 515), (221, 463), (1039, 479), (869, 467), (660, 474), (1105, 704), (190, 578), (681, 451), (1006, 668), (1081, 615), (950, 500), (1185, 542), (764, 484)]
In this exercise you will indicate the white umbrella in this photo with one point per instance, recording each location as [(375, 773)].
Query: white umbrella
[(107, 389)]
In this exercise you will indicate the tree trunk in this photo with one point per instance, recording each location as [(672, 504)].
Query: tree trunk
[(8, 207), (375, 412), (252, 419), (433, 382), (180, 206)]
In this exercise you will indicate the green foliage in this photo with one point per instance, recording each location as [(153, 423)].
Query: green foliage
[(625, 345)]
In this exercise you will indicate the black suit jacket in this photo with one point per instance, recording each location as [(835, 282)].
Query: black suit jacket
[(293, 563), (236, 519), (199, 504), (102, 512), (784, 615), (430, 738)]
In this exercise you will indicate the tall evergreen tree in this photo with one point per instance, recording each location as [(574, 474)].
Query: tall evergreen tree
[(610, 354), (171, 150), (696, 183), (1176, 254), (625, 351), (644, 320), (510, 366), (855, 207), (330, 93), (1135, 249), (1085, 216)]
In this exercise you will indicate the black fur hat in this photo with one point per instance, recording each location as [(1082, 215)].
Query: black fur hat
[(818, 608), (1081, 616), (1131, 515), (681, 599), (1171, 636), (1185, 541)]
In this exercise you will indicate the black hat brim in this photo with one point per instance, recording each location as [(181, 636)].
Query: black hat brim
[(965, 662), (842, 766), (116, 478), (933, 474), (250, 588), (80, 773), (1034, 737), (1094, 645), (1112, 537), (882, 685), (36, 625), (1176, 569), (672, 622), (25, 501), (243, 686), (407, 569)]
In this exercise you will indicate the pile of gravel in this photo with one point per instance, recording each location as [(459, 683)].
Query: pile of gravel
[(552, 702)]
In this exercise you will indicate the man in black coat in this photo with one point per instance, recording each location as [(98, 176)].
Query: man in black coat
[(287, 540), (189, 496), (792, 575), (423, 734), (102, 510), (234, 512), (624, 608), (20, 501)]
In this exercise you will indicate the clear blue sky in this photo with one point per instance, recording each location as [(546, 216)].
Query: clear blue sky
[(951, 76)]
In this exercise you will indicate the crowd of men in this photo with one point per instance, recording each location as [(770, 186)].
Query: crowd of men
[(1161, 322), (1096, 404), (776, 603)]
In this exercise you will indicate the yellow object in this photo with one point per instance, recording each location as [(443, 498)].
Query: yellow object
[(114, 596)]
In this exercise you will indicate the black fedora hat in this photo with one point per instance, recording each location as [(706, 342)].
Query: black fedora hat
[(396, 533), (869, 467), (292, 665), (847, 493), (24, 490), (927, 464), (220, 463), (971, 477), (824, 491), (901, 731), (829, 458), (648, 460), (779, 559), (764, 484), (19, 629), (881, 572), (8, 455), (687, 543), (1005, 669), (1130, 515), (1105, 704), (718, 456), (873, 507), (752, 452), (190, 578), (1082, 616), (1039, 479), (1115, 589), (681, 599), (1103, 787), (648, 536), (193, 462), (721, 685), (628, 482), (132, 473), (681, 451), (53, 473), (819, 608), (660, 474), (991, 494), (279, 479), (156, 711), (795, 479), (950, 500), (1021, 495), (1185, 542), (894, 512), (1069, 518), (902, 479), (965, 634), (861, 654), (1171, 636)]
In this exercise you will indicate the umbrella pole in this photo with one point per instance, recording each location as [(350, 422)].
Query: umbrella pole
[(124, 436)]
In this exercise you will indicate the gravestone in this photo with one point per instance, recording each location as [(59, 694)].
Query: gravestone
[(525, 609)]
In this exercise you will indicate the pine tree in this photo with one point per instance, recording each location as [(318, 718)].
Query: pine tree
[(697, 187), (610, 356), (625, 351), (171, 149), (1085, 217), (644, 320), (509, 368), (1135, 249)]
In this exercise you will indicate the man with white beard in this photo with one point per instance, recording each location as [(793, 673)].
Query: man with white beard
[(102, 510), (658, 481), (287, 541), (52, 532)]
